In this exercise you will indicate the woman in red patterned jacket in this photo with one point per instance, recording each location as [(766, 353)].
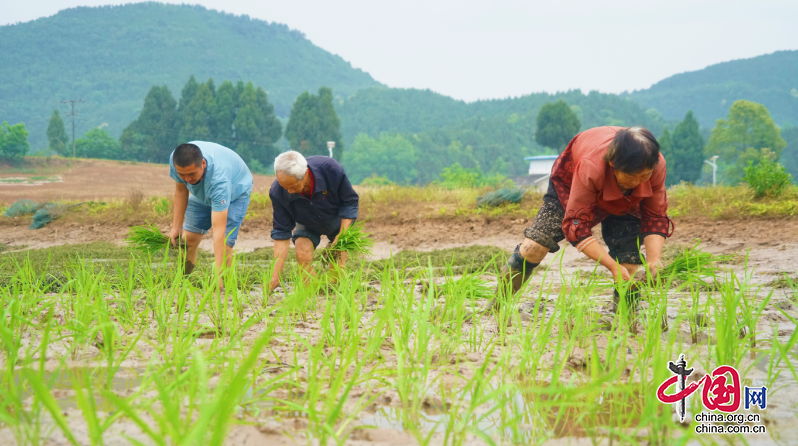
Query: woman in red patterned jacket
[(609, 175)]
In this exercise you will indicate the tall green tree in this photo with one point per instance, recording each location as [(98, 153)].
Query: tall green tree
[(188, 93), (313, 123), (256, 126), (391, 155), (687, 152), (666, 149), (151, 137), (226, 108), (747, 129), (196, 120), (556, 125), (13, 141), (789, 157), (98, 143), (57, 137)]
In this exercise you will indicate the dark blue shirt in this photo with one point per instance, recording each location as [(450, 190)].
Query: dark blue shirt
[(332, 199)]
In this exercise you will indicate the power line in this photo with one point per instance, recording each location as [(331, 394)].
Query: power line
[(73, 113)]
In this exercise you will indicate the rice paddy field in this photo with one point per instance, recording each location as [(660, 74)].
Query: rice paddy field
[(101, 345)]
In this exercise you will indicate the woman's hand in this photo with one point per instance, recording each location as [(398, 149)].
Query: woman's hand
[(621, 271), (597, 253), (654, 265)]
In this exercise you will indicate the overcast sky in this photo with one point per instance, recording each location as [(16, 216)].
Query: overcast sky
[(493, 49)]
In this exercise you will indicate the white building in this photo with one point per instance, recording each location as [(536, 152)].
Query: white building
[(540, 169)]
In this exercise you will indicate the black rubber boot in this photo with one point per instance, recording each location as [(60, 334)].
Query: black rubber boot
[(632, 299), (515, 274), (188, 268)]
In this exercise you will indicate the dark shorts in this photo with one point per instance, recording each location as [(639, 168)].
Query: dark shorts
[(621, 233), (315, 237)]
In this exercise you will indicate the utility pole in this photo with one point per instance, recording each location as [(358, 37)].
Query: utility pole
[(73, 113), (714, 165)]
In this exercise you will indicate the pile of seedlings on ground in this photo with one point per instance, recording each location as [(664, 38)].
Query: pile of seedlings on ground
[(134, 352), (502, 196), (43, 213)]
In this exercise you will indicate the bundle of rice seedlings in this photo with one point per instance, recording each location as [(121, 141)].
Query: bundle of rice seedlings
[(353, 240), (147, 238), (693, 263)]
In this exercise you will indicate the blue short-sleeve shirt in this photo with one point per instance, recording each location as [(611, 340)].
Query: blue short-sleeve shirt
[(226, 179)]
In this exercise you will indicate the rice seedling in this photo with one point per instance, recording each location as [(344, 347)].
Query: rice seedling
[(394, 338), (693, 263), (353, 240), (147, 239)]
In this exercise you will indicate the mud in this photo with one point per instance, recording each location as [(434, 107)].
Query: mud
[(384, 416)]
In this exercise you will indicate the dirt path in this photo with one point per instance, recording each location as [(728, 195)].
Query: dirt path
[(92, 180)]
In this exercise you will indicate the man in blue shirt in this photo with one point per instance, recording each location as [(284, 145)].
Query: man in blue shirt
[(310, 198), (212, 188)]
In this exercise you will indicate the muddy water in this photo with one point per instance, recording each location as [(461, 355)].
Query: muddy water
[(63, 383)]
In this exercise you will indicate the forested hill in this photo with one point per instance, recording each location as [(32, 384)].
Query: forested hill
[(379, 109), (111, 57), (771, 80)]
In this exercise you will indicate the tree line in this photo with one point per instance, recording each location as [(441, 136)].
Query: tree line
[(240, 116), (747, 136)]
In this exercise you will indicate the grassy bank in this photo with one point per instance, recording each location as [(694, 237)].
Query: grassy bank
[(406, 204), (730, 203)]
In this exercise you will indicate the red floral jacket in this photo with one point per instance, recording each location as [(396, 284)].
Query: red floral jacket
[(589, 193)]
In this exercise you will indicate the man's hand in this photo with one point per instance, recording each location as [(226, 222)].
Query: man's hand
[(280, 254), (345, 224), (274, 283), (181, 203), (174, 235)]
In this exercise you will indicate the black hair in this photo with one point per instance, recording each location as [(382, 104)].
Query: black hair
[(633, 150), (187, 155)]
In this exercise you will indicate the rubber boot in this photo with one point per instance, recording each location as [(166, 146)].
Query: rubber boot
[(188, 268), (515, 274), (632, 299)]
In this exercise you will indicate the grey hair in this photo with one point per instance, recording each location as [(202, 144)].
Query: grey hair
[(291, 163)]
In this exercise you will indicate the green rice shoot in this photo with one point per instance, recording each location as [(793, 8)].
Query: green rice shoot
[(353, 240), (693, 263), (147, 238)]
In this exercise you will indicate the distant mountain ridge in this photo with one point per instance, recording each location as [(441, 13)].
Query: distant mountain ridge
[(770, 79), (111, 56)]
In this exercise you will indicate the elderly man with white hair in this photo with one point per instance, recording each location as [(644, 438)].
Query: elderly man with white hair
[(311, 197)]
